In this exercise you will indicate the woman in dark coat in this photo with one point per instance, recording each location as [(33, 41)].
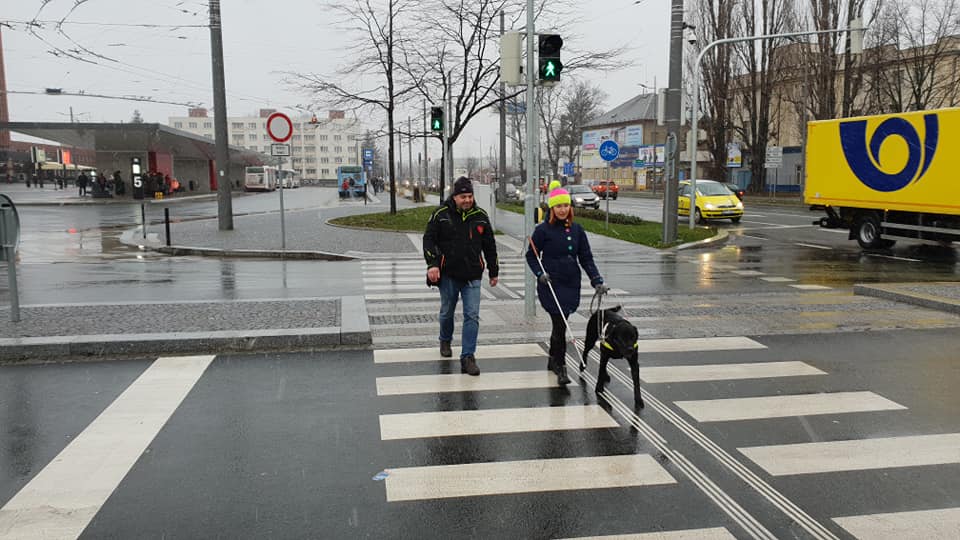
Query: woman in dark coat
[(563, 248)]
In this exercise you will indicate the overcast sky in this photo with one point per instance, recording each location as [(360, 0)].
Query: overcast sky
[(261, 38)]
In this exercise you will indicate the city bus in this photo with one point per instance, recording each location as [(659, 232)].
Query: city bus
[(289, 178), (355, 179), (261, 178)]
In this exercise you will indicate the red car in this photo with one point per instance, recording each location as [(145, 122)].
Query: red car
[(603, 187)]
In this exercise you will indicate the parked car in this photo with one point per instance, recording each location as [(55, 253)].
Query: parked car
[(605, 188), (714, 201), (737, 190), (513, 193), (582, 196)]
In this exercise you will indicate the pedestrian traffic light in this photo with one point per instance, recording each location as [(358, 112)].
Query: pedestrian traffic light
[(549, 57), (436, 119)]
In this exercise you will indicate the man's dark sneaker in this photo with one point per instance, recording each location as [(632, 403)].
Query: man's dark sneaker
[(562, 378), (445, 350), (468, 365)]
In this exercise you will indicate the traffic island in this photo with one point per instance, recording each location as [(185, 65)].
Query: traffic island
[(942, 296)]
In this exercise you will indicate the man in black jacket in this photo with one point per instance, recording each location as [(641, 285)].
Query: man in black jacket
[(457, 245)]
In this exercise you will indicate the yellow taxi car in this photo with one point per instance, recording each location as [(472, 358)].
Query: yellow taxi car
[(714, 201)]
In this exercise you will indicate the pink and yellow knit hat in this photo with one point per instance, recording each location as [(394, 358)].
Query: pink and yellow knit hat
[(558, 195)]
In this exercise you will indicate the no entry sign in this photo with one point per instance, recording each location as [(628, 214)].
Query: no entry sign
[(279, 127)]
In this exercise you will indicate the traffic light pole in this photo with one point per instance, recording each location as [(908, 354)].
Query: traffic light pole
[(671, 183), (529, 213)]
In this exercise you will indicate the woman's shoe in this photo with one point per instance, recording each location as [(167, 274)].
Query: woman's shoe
[(562, 378)]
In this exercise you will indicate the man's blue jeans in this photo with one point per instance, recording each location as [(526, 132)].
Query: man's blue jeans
[(450, 290)]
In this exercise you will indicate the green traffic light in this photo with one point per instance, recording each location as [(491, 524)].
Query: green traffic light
[(436, 125), (550, 70)]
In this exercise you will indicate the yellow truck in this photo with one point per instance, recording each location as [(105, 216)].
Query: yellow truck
[(887, 176)]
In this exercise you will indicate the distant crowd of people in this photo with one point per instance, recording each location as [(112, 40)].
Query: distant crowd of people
[(96, 183)]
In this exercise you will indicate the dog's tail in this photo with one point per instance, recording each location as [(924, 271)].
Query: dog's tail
[(593, 333)]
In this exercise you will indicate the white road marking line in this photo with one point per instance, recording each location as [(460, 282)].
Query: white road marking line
[(814, 246), (747, 273), (461, 423), (532, 476), (938, 524), (811, 287), (722, 410), (724, 372), (697, 344), (424, 384), (856, 455), (882, 256), (775, 279), (61, 499), (754, 237), (417, 241), (714, 533), (432, 354)]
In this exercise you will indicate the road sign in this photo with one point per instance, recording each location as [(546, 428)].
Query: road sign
[(568, 169), (280, 150), (609, 150), (368, 154), (774, 157), (279, 127)]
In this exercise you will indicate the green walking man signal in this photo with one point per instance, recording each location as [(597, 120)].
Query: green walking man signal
[(436, 119), (549, 54)]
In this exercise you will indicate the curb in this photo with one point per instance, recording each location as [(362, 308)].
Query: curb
[(918, 299), (251, 253), (718, 240), (99, 202)]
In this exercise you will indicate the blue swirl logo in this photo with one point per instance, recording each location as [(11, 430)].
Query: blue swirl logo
[(853, 139)]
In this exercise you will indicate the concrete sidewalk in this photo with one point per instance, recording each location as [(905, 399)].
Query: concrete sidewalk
[(69, 196), (941, 296)]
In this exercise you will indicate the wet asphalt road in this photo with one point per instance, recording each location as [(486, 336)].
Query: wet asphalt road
[(290, 446)]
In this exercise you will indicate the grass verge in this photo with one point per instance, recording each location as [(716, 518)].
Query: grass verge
[(406, 220)]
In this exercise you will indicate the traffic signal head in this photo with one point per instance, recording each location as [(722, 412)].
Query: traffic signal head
[(549, 57), (436, 119)]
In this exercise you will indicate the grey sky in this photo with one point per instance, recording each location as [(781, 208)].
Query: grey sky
[(260, 38)]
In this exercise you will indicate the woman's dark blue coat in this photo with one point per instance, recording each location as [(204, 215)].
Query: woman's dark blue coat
[(563, 250)]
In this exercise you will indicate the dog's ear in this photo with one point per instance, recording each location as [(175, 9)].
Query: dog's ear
[(615, 309)]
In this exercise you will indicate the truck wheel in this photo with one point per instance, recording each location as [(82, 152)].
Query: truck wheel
[(868, 232)]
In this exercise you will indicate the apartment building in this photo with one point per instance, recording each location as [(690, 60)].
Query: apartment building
[(318, 145)]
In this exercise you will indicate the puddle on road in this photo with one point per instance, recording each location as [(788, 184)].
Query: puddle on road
[(79, 246)]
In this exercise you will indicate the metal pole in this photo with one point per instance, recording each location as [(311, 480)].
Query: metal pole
[(696, 91), (166, 224), (426, 138), (502, 164), (672, 120), (449, 129), (283, 221), (410, 147), (222, 154), (12, 283), (606, 218), (143, 219), (529, 215)]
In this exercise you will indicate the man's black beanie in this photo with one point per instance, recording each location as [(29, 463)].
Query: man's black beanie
[(462, 185)]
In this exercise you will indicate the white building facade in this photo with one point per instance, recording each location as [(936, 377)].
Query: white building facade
[(318, 145)]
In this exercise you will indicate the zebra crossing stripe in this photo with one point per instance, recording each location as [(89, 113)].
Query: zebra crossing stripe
[(61, 499), (723, 372), (720, 410), (424, 384), (459, 423), (531, 476), (714, 533), (432, 354), (731, 343), (917, 525), (811, 287), (856, 455)]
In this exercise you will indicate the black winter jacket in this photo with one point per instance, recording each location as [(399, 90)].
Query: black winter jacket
[(461, 244)]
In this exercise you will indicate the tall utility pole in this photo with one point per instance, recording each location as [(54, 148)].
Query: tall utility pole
[(426, 139), (448, 126), (529, 215), (222, 154), (502, 164), (410, 147), (672, 120)]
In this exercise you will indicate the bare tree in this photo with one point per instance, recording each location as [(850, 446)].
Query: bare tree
[(551, 111), (379, 46), (582, 103)]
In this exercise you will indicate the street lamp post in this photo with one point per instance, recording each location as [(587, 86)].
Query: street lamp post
[(857, 44)]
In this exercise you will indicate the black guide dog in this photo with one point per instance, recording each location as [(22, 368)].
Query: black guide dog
[(618, 340)]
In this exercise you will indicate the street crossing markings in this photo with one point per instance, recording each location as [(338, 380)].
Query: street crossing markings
[(776, 279), (715, 533), (459, 423), (747, 273), (918, 525), (697, 344), (432, 354), (424, 384), (814, 246), (811, 287), (62, 498), (531, 476), (856, 455), (721, 410), (723, 372)]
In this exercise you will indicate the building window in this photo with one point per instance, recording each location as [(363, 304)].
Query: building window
[(208, 125), (351, 137), (236, 125), (324, 148), (208, 135), (252, 125), (337, 137), (353, 148), (252, 136), (338, 149), (295, 138), (352, 161), (324, 160), (311, 149), (310, 137), (193, 125), (311, 171), (238, 139), (324, 137), (338, 160), (178, 125), (326, 171), (266, 137), (296, 150)]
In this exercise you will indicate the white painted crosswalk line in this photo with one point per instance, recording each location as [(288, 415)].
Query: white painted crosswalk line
[(423, 384), (521, 420), (723, 372), (432, 354), (811, 287), (61, 499), (777, 279), (725, 343), (532, 476), (714, 533), (720, 410), (747, 273), (941, 524), (856, 455)]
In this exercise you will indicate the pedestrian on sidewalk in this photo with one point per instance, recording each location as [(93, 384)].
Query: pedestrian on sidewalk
[(562, 247), (457, 243), (82, 183)]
